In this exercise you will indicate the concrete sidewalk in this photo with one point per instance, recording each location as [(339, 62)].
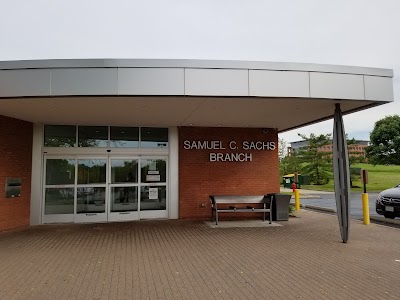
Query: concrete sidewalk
[(302, 259)]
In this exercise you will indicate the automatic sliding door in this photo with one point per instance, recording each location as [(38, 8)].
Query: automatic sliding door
[(101, 189), (153, 188), (124, 204), (91, 190)]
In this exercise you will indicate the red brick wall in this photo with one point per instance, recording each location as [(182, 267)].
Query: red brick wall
[(199, 178), (15, 161)]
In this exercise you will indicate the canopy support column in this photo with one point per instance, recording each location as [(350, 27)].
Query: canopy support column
[(341, 174)]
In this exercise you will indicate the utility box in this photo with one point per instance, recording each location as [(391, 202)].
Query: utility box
[(288, 179), (13, 187)]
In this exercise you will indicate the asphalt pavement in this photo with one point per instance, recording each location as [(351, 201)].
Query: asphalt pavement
[(327, 200)]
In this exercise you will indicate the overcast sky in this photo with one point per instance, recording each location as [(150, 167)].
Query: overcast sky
[(346, 32)]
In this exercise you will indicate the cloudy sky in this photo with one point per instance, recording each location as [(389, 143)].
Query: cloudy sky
[(345, 32)]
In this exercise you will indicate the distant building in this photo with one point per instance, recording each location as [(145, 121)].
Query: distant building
[(357, 149)]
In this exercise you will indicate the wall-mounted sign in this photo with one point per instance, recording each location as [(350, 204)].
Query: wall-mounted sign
[(232, 145)]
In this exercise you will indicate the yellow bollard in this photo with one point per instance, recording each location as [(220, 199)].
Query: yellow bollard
[(297, 199), (365, 206)]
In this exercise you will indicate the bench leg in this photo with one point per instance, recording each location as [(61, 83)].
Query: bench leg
[(270, 212), (264, 216), (216, 217)]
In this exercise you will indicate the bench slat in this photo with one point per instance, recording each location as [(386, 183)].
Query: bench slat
[(239, 199)]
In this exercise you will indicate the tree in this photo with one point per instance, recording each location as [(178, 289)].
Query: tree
[(385, 142), (289, 165), (355, 157), (281, 148), (317, 164)]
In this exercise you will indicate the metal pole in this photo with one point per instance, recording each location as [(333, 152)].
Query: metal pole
[(297, 199), (365, 206)]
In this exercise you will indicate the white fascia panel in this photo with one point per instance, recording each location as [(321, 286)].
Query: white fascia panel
[(216, 82), (20, 83), (85, 81), (336, 86), (378, 88), (266, 83), (151, 81)]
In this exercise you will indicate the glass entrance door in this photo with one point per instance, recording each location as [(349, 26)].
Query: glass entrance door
[(91, 190), (104, 189), (153, 187), (123, 189)]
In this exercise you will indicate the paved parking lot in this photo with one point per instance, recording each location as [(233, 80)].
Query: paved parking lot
[(302, 259)]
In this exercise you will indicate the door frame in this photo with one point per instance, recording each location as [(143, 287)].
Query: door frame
[(127, 215), (155, 214), (39, 152), (107, 216)]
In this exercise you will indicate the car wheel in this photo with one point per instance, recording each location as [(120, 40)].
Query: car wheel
[(389, 216)]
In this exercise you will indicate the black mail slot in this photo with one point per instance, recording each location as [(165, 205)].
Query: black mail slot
[(13, 187)]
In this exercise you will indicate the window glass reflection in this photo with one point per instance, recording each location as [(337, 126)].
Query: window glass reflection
[(60, 171), (59, 136), (91, 200), (93, 136), (124, 137), (153, 170), (124, 199), (91, 171), (153, 198), (59, 201), (153, 137), (124, 171)]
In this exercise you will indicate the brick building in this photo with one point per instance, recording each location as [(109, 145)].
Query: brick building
[(119, 140), (356, 149)]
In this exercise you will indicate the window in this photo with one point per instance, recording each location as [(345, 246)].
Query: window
[(105, 136), (127, 137), (154, 137), (59, 136), (92, 136)]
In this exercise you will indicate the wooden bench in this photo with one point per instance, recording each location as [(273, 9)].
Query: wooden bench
[(253, 205)]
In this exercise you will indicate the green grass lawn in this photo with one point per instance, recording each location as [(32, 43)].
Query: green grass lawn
[(379, 178)]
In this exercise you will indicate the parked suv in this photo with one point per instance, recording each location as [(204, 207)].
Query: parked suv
[(388, 203)]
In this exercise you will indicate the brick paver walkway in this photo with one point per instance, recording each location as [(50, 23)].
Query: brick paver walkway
[(303, 259)]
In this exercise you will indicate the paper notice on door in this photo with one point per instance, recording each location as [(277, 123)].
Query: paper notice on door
[(153, 193), (153, 172), (153, 178)]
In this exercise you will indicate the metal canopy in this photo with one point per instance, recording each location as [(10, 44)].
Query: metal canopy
[(282, 96)]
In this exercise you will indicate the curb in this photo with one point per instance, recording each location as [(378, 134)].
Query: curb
[(308, 196), (385, 220), (330, 210), (372, 218)]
